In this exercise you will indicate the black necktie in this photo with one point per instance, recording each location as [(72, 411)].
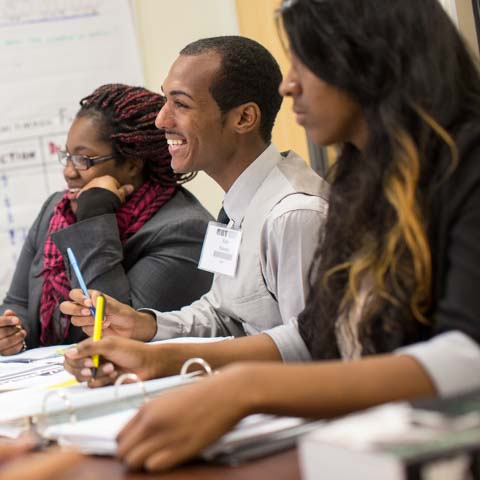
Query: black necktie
[(222, 217)]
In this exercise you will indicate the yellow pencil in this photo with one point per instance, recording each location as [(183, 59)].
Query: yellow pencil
[(97, 329)]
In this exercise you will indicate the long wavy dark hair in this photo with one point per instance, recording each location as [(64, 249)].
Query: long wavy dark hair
[(405, 64)]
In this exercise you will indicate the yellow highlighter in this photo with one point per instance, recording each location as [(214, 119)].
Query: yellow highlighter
[(97, 329)]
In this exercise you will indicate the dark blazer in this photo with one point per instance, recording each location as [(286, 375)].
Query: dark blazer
[(453, 225), (157, 267), (455, 242)]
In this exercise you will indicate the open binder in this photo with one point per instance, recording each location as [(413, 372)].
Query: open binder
[(21, 404), (255, 436), (44, 408)]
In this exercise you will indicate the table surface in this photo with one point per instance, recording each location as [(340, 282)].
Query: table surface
[(282, 466)]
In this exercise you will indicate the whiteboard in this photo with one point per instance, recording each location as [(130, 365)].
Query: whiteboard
[(52, 54)]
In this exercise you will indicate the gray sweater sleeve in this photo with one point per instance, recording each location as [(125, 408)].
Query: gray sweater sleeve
[(20, 292), (98, 249), (16, 298), (156, 268)]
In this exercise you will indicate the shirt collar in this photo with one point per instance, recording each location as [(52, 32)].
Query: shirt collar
[(245, 186)]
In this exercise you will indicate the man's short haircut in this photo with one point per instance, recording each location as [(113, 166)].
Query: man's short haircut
[(248, 73)]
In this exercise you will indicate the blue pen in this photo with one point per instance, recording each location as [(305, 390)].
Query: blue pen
[(78, 274)]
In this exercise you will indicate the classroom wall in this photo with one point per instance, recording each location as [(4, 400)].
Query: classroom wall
[(466, 24), (256, 20), (165, 27)]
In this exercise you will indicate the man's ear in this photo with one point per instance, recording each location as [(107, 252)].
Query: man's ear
[(247, 118)]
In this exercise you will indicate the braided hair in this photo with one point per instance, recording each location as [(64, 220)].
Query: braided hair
[(125, 117)]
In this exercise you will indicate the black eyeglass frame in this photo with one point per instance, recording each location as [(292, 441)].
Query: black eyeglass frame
[(81, 162)]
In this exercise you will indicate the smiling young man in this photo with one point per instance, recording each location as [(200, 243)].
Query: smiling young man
[(221, 102)]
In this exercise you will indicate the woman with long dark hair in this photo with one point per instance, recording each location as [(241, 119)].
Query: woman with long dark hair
[(136, 232), (395, 312)]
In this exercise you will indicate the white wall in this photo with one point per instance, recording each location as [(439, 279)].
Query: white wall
[(165, 27)]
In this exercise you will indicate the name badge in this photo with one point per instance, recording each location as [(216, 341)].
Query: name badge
[(220, 249)]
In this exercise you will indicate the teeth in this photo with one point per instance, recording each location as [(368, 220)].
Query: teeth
[(74, 190), (172, 141)]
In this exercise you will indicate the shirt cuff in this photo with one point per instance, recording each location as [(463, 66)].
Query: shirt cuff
[(166, 328), (290, 344), (451, 359)]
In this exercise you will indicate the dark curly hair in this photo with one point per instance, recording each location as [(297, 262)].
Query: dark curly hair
[(405, 64), (248, 73), (125, 117)]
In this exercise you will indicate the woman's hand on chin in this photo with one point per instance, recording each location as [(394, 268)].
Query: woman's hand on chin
[(109, 183)]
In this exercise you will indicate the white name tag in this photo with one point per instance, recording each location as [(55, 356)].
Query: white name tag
[(220, 249)]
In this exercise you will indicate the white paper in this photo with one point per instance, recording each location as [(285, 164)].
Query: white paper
[(41, 353), (98, 435)]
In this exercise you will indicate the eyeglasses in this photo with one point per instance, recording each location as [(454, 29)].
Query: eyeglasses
[(81, 162)]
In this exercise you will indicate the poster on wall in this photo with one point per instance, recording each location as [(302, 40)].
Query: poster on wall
[(52, 54)]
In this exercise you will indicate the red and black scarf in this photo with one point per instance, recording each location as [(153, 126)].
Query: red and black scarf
[(131, 216)]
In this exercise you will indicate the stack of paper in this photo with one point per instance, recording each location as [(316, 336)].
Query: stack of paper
[(95, 436), (254, 436), (40, 367)]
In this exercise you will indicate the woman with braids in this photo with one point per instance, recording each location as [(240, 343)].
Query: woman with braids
[(136, 233), (394, 311)]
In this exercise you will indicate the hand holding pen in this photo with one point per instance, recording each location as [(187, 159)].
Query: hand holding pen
[(12, 333), (78, 274), (97, 330), (120, 320)]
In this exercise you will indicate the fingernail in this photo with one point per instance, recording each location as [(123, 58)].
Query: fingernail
[(14, 320), (88, 363), (108, 368), (71, 352), (86, 372), (85, 311)]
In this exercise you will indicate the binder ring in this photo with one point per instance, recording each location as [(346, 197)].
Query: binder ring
[(130, 376), (196, 361), (66, 399)]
